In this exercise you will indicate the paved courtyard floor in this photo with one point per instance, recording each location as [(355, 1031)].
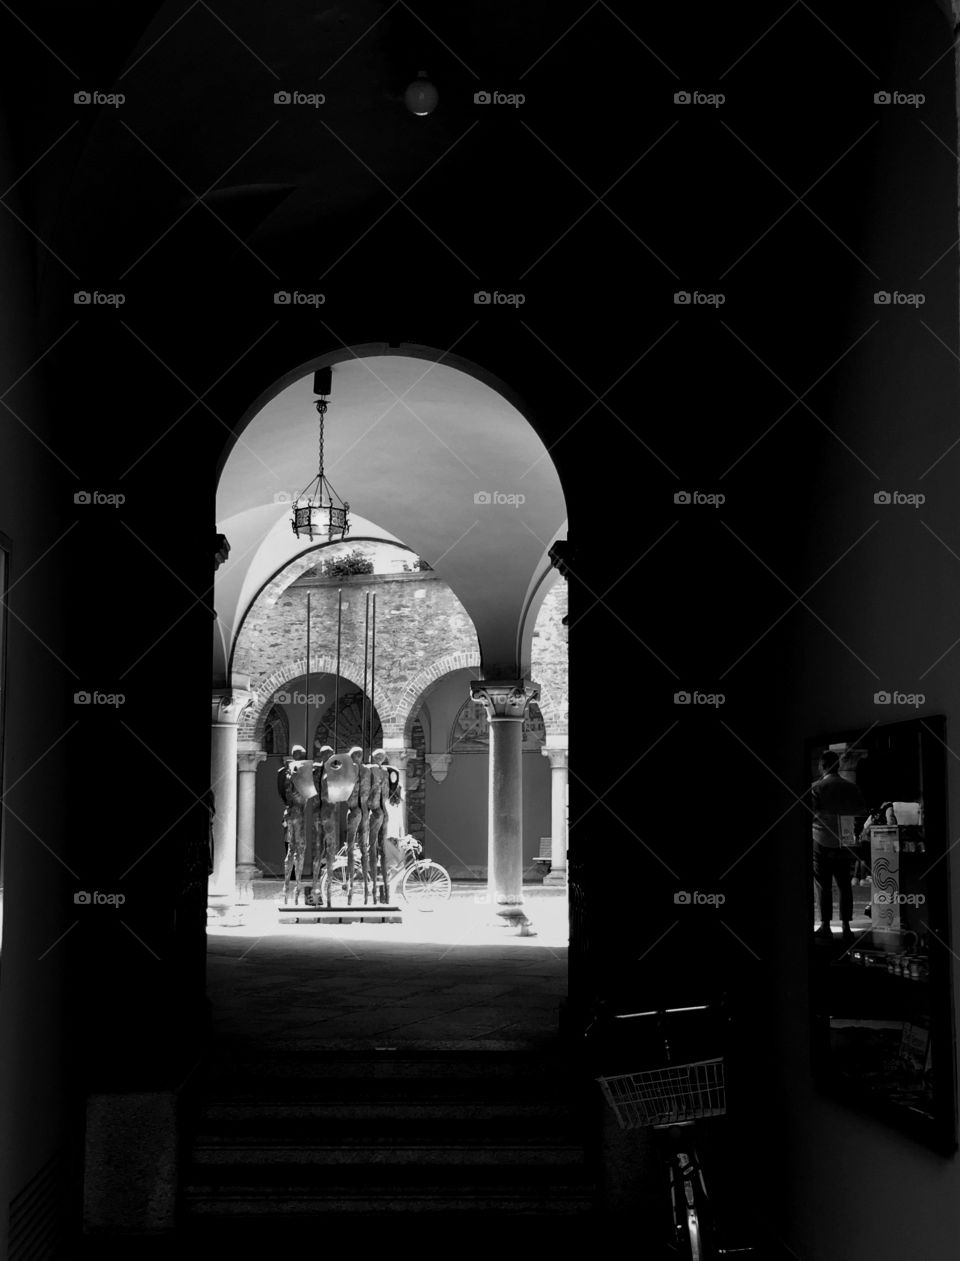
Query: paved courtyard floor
[(446, 979)]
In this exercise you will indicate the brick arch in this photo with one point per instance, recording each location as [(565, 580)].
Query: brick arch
[(554, 718), (254, 719), (411, 699), (400, 723)]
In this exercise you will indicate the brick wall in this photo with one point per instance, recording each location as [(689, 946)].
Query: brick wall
[(423, 632)]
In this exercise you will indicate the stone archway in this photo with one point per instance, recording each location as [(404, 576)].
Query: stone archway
[(254, 719), (467, 535), (419, 688)]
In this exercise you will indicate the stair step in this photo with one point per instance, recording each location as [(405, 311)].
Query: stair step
[(355, 1134), (292, 1172), (457, 1131), (429, 1064), (418, 1111), (387, 1154), (314, 1082), (249, 1201)]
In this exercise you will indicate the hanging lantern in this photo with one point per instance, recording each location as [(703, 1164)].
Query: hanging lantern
[(318, 511)]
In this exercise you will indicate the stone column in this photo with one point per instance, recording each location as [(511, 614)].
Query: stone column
[(249, 757), (398, 755), (227, 706), (558, 812), (506, 704)]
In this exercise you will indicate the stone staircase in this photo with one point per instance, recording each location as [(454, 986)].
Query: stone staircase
[(363, 1135)]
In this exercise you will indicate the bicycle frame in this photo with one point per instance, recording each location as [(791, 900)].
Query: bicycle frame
[(411, 854), (671, 1099)]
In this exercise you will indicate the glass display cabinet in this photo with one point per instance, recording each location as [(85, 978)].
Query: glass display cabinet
[(881, 967)]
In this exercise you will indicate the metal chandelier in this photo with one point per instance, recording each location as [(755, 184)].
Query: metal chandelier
[(318, 511)]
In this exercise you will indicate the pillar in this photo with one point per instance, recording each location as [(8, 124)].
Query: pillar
[(227, 706), (398, 755), (249, 757), (506, 704), (558, 812)]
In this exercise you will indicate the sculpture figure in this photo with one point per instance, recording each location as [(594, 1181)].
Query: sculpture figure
[(323, 825), (341, 776), (366, 788), (294, 793), (388, 794)]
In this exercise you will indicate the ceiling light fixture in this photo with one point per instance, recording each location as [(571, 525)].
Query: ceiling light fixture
[(318, 511), (421, 96)]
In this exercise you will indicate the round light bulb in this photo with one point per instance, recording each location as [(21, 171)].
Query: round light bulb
[(421, 96)]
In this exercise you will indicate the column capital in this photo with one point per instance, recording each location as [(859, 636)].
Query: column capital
[(558, 758), (227, 704), (250, 759), (221, 550), (504, 698), (560, 555), (398, 754)]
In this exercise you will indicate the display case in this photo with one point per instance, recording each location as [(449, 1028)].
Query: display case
[(881, 980)]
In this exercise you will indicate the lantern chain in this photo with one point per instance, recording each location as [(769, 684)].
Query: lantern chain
[(321, 409)]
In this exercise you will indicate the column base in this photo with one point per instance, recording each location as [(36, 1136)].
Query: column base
[(513, 915), (246, 874), (556, 877), (222, 910)]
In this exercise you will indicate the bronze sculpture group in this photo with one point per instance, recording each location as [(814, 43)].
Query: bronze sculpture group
[(332, 778), (329, 780)]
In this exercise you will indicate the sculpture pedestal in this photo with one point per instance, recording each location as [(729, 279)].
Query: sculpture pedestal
[(339, 914)]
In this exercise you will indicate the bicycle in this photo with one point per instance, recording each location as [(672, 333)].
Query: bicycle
[(670, 1097), (422, 882)]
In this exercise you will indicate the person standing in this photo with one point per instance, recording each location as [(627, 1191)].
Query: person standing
[(833, 798)]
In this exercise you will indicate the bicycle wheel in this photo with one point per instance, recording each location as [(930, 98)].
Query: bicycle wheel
[(340, 883), (426, 884)]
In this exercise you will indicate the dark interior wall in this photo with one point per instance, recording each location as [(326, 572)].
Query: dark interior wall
[(43, 731), (863, 1190), (679, 597)]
